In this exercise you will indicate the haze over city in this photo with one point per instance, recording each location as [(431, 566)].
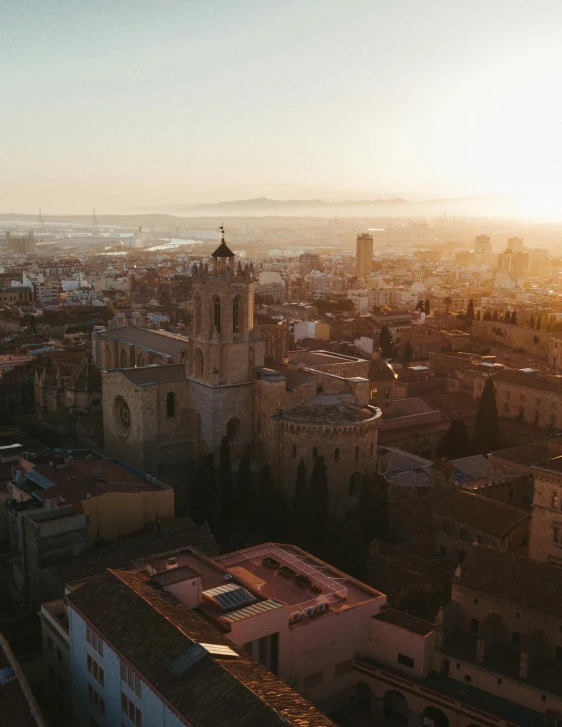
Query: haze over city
[(136, 105)]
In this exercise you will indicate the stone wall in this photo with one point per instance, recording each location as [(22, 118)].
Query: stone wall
[(504, 334)]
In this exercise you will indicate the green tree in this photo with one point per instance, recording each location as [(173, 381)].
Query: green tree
[(532, 322), (487, 316), (408, 353), (419, 306), (479, 315), (456, 443), (507, 317), (372, 508), (539, 324), (385, 342), (514, 318), (203, 496), (470, 310), (427, 307), (272, 515), (300, 505), (318, 506), (345, 546), (486, 424), (244, 500), (496, 316)]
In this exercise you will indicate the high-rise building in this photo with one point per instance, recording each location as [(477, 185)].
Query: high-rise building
[(482, 247), (20, 245), (308, 262), (515, 244), (514, 263), (364, 256)]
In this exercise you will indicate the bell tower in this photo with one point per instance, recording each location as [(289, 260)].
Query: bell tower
[(224, 347)]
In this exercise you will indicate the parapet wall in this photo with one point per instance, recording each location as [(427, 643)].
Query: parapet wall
[(512, 336)]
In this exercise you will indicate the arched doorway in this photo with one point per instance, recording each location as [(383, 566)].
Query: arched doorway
[(395, 707), (434, 717), (123, 360), (363, 694)]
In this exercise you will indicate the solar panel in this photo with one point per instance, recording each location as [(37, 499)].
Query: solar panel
[(39, 479), (220, 650), (229, 596)]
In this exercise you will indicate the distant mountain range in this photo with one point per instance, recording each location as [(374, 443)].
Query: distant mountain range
[(490, 205)]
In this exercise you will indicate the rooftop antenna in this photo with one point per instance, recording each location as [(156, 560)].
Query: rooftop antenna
[(222, 232), (94, 220)]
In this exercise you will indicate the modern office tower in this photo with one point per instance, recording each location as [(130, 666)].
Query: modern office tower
[(364, 256), (482, 247)]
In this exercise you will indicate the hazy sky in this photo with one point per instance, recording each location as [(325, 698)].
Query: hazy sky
[(119, 104)]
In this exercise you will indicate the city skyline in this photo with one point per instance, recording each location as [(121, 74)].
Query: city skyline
[(133, 106)]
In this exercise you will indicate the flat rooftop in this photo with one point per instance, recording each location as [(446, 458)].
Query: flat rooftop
[(339, 590), (405, 621)]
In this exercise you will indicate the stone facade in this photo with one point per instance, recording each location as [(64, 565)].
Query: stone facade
[(220, 383), (512, 336), (546, 524)]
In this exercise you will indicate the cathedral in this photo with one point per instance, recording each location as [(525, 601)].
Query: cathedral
[(168, 399)]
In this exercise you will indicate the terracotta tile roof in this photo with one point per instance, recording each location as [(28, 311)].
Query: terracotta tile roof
[(534, 380), (527, 454), (451, 402), (513, 578), (481, 512), (235, 692), (129, 554)]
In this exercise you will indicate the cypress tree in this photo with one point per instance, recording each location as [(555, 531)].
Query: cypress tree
[(244, 499), (272, 514), (300, 505), (507, 317), (470, 310), (226, 494), (408, 353), (318, 505), (487, 316), (532, 322), (372, 508), (514, 318), (539, 324), (203, 496), (496, 316), (385, 342), (456, 443), (419, 306), (479, 315), (486, 424), (427, 307)]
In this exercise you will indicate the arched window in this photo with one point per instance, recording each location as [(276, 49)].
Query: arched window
[(123, 360), (294, 451), (170, 405), (236, 315), (140, 359), (198, 314), (357, 454), (198, 363), (217, 314), (108, 358), (233, 429), (336, 453)]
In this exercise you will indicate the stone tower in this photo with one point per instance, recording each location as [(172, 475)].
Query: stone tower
[(224, 350)]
